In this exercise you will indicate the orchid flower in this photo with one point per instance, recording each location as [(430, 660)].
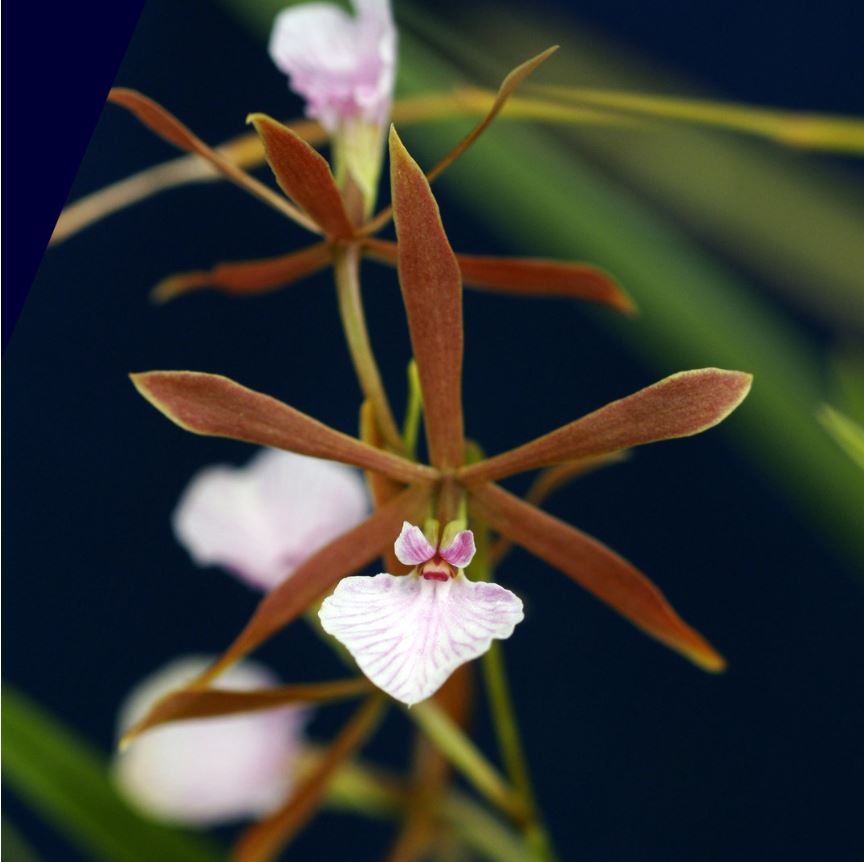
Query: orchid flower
[(263, 520), (209, 770), (327, 206), (409, 633), (313, 200), (678, 406), (345, 69)]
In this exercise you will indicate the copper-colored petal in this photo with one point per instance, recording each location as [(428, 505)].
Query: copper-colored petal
[(508, 85), (527, 276), (202, 702), (432, 291), (678, 406), (167, 126), (343, 556), (304, 175), (247, 277), (263, 841), (596, 568), (216, 406)]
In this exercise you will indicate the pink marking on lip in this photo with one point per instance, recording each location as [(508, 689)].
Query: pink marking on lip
[(436, 575)]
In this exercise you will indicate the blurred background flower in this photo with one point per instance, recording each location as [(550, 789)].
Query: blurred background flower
[(208, 771), (263, 520)]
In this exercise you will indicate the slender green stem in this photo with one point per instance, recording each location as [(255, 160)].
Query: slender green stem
[(512, 752), (504, 720), (506, 729), (450, 740), (346, 266)]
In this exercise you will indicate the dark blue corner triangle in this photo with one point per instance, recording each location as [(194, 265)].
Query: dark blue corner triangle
[(59, 59)]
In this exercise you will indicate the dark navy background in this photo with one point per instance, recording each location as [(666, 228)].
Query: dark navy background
[(637, 755)]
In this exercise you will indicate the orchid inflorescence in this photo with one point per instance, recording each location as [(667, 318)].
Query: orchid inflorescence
[(296, 523)]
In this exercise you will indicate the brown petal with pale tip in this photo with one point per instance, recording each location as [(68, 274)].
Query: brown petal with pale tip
[(527, 276), (167, 126), (263, 841), (596, 568), (216, 406), (678, 406), (200, 702), (304, 175), (247, 277), (432, 292), (508, 85), (343, 556)]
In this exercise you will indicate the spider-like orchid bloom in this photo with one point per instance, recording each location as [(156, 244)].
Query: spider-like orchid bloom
[(344, 67), (681, 405), (210, 770), (313, 200), (408, 633), (263, 520)]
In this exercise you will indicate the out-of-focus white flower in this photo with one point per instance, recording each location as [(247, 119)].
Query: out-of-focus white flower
[(408, 633), (214, 770), (263, 520), (344, 66)]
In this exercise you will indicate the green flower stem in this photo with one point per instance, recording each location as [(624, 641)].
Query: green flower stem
[(367, 790), (448, 737), (346, 267), (504, 715), (506, 729), (512, 752)]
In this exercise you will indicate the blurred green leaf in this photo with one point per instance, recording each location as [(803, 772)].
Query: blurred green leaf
[(849, 435), (15, 845), (68, 783), (793, 220), (847, 373)]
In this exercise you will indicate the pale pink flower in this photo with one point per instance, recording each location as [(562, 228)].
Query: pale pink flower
[(409, 633), (263, 520), (212, 770), (342, 65)]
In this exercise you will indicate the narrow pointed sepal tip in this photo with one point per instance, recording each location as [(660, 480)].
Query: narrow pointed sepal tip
[(171, 288), (708, 659), (256, 118)]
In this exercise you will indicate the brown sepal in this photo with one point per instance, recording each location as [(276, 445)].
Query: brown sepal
[(304, 175), (684, 404), (247, 277), (508, 85), (167, 126), (596, 568), (432, 292), (202, 702), (527, 276), (216, 406)]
